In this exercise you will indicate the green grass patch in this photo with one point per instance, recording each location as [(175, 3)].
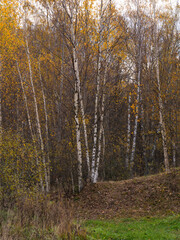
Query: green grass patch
[(130, 229)]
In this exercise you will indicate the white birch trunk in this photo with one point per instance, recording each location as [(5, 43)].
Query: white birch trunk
[(76, 72), (107, 63), (26, 103), (95, 176), (37, 116), (138, 89), (135, 125), (153, 139), (103, 153), (135, 132), (78, 137), (128, 131), (161, 107), (97, 98), (46, 126), (30, 126), (153, 149), (163, 128), (143, 138)]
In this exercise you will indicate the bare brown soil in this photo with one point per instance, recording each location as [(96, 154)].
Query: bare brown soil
[(155, 195)]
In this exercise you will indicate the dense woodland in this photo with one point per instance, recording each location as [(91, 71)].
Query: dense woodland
[(88, 92)]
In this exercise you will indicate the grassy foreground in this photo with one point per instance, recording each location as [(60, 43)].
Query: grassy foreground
[(131, 229)]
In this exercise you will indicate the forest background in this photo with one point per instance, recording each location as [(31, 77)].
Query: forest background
[(87, 93)]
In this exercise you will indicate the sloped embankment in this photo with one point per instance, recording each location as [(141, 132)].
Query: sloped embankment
[(144, 196)]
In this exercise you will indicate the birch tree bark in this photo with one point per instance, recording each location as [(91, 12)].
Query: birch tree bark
[(78, 137), (46, 125), (139, 58), (30, 126), (107, 63), (161, 107), (143, 138), (78, 82), (128, 131), (95, 127), (37, 117), (26, 102), (95, 176), (103, 154), (72, 11)]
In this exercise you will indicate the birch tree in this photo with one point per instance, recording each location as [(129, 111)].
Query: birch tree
[(139, 66), (39, 130), (37, 119), (78, 138), (46, 123), (107, 64), (161, 107), (30, 127), (95, 127), (72, 12), (77, 75), (128, 130)]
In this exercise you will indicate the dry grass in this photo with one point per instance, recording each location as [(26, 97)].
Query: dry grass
[(38, 219)]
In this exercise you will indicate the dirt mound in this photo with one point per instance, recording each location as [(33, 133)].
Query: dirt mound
[(144, 196)]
